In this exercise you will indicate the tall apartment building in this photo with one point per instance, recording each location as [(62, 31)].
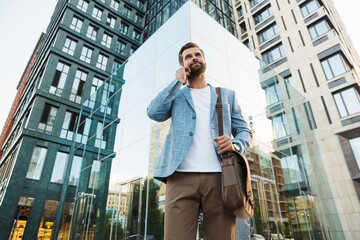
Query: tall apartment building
[(306, 43), (45, 163)]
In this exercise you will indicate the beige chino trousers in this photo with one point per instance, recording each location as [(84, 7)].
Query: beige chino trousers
[(186, 194)]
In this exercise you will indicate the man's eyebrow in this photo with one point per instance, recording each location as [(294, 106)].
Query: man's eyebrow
[(187, 55)]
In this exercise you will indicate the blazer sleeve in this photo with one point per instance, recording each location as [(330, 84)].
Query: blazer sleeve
[(159, 108), (239, 128)]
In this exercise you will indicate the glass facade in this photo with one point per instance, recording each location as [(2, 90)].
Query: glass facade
[(115, 146), (159, 11), (285, 178)]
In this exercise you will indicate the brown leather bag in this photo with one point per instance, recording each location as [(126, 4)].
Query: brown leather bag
[(235, 177)]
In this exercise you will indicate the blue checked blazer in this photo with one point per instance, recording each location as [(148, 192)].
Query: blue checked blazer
[(177, 104)]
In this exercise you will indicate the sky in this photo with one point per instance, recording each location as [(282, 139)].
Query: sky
[(22, 21)]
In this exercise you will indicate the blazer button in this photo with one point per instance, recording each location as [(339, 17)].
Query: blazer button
[(190, 134), (193, 117)]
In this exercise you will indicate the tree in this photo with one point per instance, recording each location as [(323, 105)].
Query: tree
[(107, 228), (155, 216)]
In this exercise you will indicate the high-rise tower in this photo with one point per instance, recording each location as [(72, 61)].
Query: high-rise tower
[(44, 161), (306, 43)]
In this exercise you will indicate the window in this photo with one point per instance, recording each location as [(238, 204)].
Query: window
[(110, 21), (59, 79), (47, 119), (92, 32), (289, 89), (69, 125), (69, 46), (107, 99), (211, 10), (333, 66), (106, 40), (138, 19), (247, 44), (100, 141), (83, 129), (139, 4), (165, 15), (64, 231), (94, 175), (309, 7), (268, 33), (124, 28), (355, 147), (78, 86), (273, 93), (273, 54), (114, 5), (280, 126), (115, 68), (97, 13), (48, 216), (76, 24), (126, 12), (310, 115), (259, 17), (82, 5), (254, 2), (75, 171), (347, 102), (289, 79), (102, 61), (96, 84), (120, 47), (136, 35), (290, 165), (58, 172), (36, 163), (132, 50), (243, 28), (86, 54), (318, 29), (240, 12)]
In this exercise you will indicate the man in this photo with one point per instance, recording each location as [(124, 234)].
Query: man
[(189, 162)]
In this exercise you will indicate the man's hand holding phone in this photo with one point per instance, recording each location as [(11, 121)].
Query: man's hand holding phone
[(182, 74)]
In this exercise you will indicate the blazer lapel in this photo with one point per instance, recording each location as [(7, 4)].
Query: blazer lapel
[(186, 92)]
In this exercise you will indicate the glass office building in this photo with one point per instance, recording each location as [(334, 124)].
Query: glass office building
[(291, 194)]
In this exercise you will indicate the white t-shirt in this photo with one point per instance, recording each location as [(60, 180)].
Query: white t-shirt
[(201, 156)]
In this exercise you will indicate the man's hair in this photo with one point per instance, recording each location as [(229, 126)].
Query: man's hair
[(187, 46)]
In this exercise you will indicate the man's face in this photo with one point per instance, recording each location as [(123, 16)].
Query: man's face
[(194, 59)]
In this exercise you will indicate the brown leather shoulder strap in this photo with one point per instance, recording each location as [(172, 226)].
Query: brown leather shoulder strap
[(219, 112)]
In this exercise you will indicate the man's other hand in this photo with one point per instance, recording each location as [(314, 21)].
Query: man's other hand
[(224, 144), (182, 74)]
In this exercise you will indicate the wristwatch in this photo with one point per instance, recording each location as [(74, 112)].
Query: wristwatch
[(236, 147)]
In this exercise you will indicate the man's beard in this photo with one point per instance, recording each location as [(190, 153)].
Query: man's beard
[(197, 70)]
